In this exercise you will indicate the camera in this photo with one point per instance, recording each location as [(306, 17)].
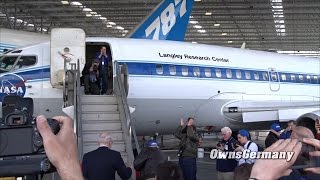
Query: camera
[(21, 145)]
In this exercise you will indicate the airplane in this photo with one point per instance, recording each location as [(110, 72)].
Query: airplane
[(169, 80), (10, 39)]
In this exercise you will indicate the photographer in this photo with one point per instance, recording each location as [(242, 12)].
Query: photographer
[(225, 167), (104, 59), (188, 148), (91, 78)]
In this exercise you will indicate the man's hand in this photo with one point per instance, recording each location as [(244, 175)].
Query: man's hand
[(275, 168), (220, 147), (181, 122), (91, 69), (61, 149), (239, 148), (316, 144), (275, 132)]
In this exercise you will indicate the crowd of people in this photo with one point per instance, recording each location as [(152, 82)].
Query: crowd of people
[(103, 162)]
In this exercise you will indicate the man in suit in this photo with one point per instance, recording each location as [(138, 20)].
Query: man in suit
[(102, 163)]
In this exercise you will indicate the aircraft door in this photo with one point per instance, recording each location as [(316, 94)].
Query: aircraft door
[(274, 79)]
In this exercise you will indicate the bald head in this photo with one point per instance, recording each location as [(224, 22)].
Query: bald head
[(105, 139), (300, 132)]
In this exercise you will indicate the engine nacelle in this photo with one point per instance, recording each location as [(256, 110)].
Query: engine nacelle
[(308, 120)]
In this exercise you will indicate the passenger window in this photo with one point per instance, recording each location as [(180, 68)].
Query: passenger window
[(207, 72), (172, 70), (265, 76), (308, 78), (274, 76), (301, 78), (184, 71), (196, 71), (159, 69), (315, 78), (238, 74), (256, 75), (7, 62), (218, 73), (293, 78), (229, 73), (283, 77), (247, 74), (25, 61)]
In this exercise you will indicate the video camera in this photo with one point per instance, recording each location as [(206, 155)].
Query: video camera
[(21, 145)]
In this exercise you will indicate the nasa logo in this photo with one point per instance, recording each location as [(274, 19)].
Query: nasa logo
[(12, 84)]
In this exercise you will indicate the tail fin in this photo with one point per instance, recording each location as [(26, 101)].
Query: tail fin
[(168, 21)]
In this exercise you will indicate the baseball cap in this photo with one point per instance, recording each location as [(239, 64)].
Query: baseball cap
[(276, 127), (152, 143), (244, 133)]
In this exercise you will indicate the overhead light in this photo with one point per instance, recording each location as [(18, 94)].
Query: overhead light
[(208, 13), (75, 3), (201, 31), (120, 28), (32, 25), (97, 15), (197, 0), (109, 26), (216, 25), (229, 41), (224, 34), (65, 2), (112, 23), (123, 34), (88, 15), (103, 18), (193, 22), (194, 42), (93, 12), (197, 26), (86, 9)]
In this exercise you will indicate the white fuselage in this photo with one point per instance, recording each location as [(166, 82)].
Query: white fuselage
[(172, 80)]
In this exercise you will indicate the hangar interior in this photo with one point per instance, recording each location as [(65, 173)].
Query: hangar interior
[(283, 26)]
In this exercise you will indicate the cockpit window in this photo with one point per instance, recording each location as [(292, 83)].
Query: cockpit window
[(7, 62), (25, 61)]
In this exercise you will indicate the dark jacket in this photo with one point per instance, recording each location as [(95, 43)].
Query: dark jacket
[(102, 163), (189, 140), (148, 160), (227, 165), (271, 138)]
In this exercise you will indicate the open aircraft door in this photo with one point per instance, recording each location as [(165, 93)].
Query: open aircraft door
[(67, 46), (274, 79)]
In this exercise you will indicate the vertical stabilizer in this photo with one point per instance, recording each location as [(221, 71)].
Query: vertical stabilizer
[(168, 21)]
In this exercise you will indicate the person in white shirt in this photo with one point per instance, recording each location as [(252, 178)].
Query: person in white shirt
[(244, 139)]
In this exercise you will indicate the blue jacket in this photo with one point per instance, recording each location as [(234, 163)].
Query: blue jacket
[(285, 135)]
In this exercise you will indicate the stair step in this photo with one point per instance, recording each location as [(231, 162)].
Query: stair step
[(108, 116), (94, 135), (102, 107), (98, 98), (101, 125)]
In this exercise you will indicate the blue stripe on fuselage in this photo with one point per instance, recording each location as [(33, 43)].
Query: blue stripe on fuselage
[(33, 74)]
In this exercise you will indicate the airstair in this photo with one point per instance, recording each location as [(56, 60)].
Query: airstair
[(94, 114)]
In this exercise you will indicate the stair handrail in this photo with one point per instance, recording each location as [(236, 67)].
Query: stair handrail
[(124, 113), (77, 111)]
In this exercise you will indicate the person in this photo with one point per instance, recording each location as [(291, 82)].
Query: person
[(273, 135), (245, 143), (103, 68), (148, 160), (287, 132), (242, 172), (317, 127), (168, 171), (61, 148), (225, 167), (103, 162), (91, 79), (188, 148)]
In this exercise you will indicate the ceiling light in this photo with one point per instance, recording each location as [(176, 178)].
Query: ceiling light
[(229, 41), (112, 23), (216, 25), (65, 2), (201, 31), (119, 27), (86, 9), (97, 15), (194, 42), (224, 34), (31, 25), (88, 15), (103, 18), (197, 26), (193, 22), (197, 0), (208, 13), (93, 12), (75, 3), (109, 26)]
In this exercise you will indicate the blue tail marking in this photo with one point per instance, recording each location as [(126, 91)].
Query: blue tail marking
[(168, 21)]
